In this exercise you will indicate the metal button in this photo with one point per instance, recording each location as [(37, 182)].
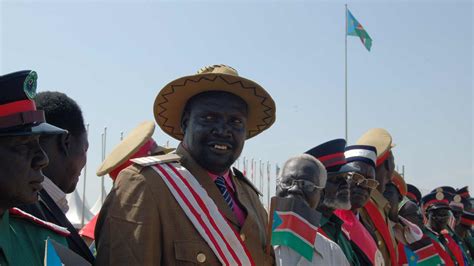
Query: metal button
[(201, 257), (242, 236), (379, 242)]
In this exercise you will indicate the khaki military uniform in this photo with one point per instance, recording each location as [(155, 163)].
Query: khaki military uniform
[(141, 223), (383, 206)]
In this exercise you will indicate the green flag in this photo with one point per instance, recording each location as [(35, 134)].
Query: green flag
[(354, 28)]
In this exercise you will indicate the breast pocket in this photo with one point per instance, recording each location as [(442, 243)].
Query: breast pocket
[(194, 252)]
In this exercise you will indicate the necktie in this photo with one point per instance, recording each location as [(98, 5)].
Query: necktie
[(220, 183)]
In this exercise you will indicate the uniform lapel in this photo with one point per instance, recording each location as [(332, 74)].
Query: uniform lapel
[(206, 182)]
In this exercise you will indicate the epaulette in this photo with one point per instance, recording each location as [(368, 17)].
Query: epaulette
[(241, 176), (152, 160), (26, 216)]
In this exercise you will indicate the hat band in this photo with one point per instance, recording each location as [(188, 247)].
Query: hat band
[(464, 194), (467, 221), (382, 158), (435, 201), (17, 107), (21, 119), (361, 155), (332, 159), (412, 196)]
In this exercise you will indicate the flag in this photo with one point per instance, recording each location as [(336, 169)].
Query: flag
[(354, 28), (51, 257), (422, 252), (295, 225)]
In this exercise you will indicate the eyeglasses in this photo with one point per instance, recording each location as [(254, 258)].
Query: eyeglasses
[(289, 182), (360, 180)]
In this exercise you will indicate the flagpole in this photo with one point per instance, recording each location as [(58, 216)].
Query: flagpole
[(345, 65), (84, 187)]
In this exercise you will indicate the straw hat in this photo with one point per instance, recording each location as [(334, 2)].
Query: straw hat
[(129, 147), (171, 100)]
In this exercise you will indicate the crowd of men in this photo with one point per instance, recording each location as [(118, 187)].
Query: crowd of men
[(189, 206)]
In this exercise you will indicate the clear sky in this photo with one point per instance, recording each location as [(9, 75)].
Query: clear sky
[(113, 58)]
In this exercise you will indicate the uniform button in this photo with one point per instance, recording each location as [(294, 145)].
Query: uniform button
[(379, 242), (201, 257), (242, 236)]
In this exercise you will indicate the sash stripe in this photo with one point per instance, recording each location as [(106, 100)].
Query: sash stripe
[(232, 241), (229, 236), (187, 207), (204, 214), (204, 209)]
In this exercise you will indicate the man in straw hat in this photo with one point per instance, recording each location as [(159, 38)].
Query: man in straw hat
[(191, 207), (22, 236), (138, 143), (374, 214)]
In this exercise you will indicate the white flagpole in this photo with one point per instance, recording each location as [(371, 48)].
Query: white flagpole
[(84, 187), (345, 59), (104, 145)]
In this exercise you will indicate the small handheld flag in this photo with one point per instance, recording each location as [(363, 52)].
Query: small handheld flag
[(354, 28), (51, 257), (294, 225)]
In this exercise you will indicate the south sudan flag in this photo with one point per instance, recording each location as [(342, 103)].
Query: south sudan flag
[(422, 252), (295, 225)]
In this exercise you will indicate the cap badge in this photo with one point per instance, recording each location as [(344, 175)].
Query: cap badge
[(29, 85), (439, 195), (439, 190), (457, 199)]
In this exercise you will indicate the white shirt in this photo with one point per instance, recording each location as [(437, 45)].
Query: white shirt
[(56, 194), (326, 252)]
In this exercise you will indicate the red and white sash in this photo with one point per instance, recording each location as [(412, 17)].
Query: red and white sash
[(204, 214)]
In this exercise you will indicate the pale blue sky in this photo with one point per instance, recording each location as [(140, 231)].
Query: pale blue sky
[(417, 81)]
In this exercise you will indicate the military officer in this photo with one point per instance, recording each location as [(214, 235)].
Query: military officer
[(191, 207), (22, 236), (374, 214)]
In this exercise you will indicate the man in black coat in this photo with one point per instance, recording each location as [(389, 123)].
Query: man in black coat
[(67, 157)]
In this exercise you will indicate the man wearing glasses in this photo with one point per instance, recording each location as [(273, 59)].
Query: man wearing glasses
[(303, 177), (361, 160), (336, 195)]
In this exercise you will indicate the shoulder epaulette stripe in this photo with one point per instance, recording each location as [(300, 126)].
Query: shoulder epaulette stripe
[(53, 227), (151, 160)]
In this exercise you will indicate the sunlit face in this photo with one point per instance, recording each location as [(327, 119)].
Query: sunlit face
[(337, 192), (20, 170), (360, 193), (215, 127), (384, 172), (300, 178)]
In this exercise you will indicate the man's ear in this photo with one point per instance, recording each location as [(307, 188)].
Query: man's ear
[(65, 143), (184, 122)]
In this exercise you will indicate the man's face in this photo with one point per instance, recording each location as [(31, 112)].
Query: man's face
[(412, 213), (393, 196), (438, 219), (337, 193), (20, 170), (298, 180), (215, 128), (384, 172), (360, 192), (68, 154)]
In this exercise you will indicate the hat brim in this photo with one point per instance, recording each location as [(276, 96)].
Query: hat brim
[(127, 147), (41, 129), (170, 102)]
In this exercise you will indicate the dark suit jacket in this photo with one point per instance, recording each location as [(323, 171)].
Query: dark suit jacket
[(46, 209)]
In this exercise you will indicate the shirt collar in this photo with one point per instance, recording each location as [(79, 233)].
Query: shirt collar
[(227, 179), (56, 194)]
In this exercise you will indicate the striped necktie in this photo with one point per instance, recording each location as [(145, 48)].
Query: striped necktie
[(220, 183)]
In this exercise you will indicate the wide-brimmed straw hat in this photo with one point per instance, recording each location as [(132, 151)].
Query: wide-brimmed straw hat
[(171, 100)]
